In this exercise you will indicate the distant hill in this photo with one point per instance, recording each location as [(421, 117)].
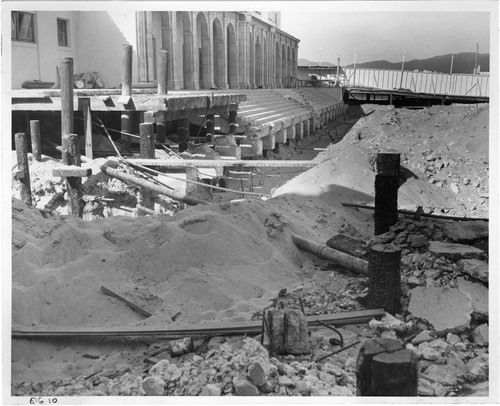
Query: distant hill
[(462, 63), (307, 62)]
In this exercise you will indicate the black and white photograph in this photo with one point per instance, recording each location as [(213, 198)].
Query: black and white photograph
[(285, 201)]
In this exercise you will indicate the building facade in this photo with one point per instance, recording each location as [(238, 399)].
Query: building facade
[(207, 49)]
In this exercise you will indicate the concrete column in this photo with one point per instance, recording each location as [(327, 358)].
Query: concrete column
[(242, 54), (174, 40)]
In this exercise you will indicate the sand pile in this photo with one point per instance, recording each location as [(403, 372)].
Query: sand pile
[(217, 262)]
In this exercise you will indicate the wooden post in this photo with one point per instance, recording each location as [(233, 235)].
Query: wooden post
[(285, 332), (232, 121), (36, 148), (87, 127), (183, 130), (67, 108), (163, 72), (210, 122), (71, 156), (127, 70), (386, 191), (23, 167), (384, 270), (385, 368), (125, 129), (147, 150), (161, 133)]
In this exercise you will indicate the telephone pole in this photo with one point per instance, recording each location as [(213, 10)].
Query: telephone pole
[(402, 70)]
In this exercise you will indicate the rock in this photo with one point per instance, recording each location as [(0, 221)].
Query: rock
[(439, 345), (417, 241), (333, 369), (454, 359), (425, 388), (286, 381), (413, 281), (294, 339), (422, 337), (446, 309), (455, 252), (430, 354), (478, 389), (478, 367), (465, 231), (258, 373), (454, 187), (350, 364), (340, 391), (480, 335), (442, 374), (389, 334), (304, 388), (474, 267), (285, 369), (389, 322), (452, 339), (478, 294), (153, 386), (210, 390), (245, 388)]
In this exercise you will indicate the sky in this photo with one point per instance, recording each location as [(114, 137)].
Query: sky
[(327, 33)]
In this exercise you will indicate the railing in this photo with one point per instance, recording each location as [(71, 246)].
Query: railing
[(457, 84)]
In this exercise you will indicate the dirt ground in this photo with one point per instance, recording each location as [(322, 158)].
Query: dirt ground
[(226, 261)]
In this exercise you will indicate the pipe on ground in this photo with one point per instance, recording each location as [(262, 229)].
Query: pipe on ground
[(337, 257), (162, 190)]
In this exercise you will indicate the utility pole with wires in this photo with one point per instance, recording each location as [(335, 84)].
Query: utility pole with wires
[(402, 70)]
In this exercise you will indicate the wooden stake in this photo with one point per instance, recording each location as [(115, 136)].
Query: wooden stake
[(386, 191), (147, 146), (67, 107), (129, 303), (87, 127), (163, 72), (385, 368), (71, 156), (36, 148), (210, 123), (232, 121), (127, 70), (183, 131), (384, 268), (125, 128), (23, 166)]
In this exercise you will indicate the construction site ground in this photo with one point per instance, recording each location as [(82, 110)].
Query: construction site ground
[(228, 261)]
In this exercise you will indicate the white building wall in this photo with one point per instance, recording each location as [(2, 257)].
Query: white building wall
[(38, 61), (101, 36)]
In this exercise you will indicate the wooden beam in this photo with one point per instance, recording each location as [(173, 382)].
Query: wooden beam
[(129, 303), (70, 170), (251, 327)]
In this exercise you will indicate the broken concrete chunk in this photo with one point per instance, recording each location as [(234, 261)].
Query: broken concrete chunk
[(422, 337), (480, 335), (478, 367), (455, 252), (446, 309), (285, 381), (443, 374), (417, 241), (478, 294), (465, 231), (153, 386), (210, 390), (429, 354), (475, 267), (258, 373), (245, 388)]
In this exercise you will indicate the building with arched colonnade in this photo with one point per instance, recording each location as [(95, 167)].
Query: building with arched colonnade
[(210, 49)]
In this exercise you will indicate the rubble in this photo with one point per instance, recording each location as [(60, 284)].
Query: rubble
[(455, 251), (477, 292), (480, 335), (474, 267), (466, 231)]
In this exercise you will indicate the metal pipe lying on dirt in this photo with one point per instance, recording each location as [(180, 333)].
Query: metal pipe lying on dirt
[(162, 190), (337, 257)]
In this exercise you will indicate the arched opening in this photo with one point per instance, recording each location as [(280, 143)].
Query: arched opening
[(203, 45), (278, 65), (184, 51), (251, 59), (166, 43), (283, 65), (219, 55), (231, 57), (258, 63)]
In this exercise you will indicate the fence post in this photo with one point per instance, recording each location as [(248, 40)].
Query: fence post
[(23, 167), (71, 156), (36, 149), (386, 191)]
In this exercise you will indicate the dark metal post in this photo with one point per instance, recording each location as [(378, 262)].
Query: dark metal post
[(232, 121), (183, 131), (210, 122), (36, 149), (23, 167), (161, 132), (386, 191)]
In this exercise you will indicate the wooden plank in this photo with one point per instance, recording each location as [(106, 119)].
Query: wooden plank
[(129, 303), (71, 170), (251, 327), (210, 163), (412, 213)]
